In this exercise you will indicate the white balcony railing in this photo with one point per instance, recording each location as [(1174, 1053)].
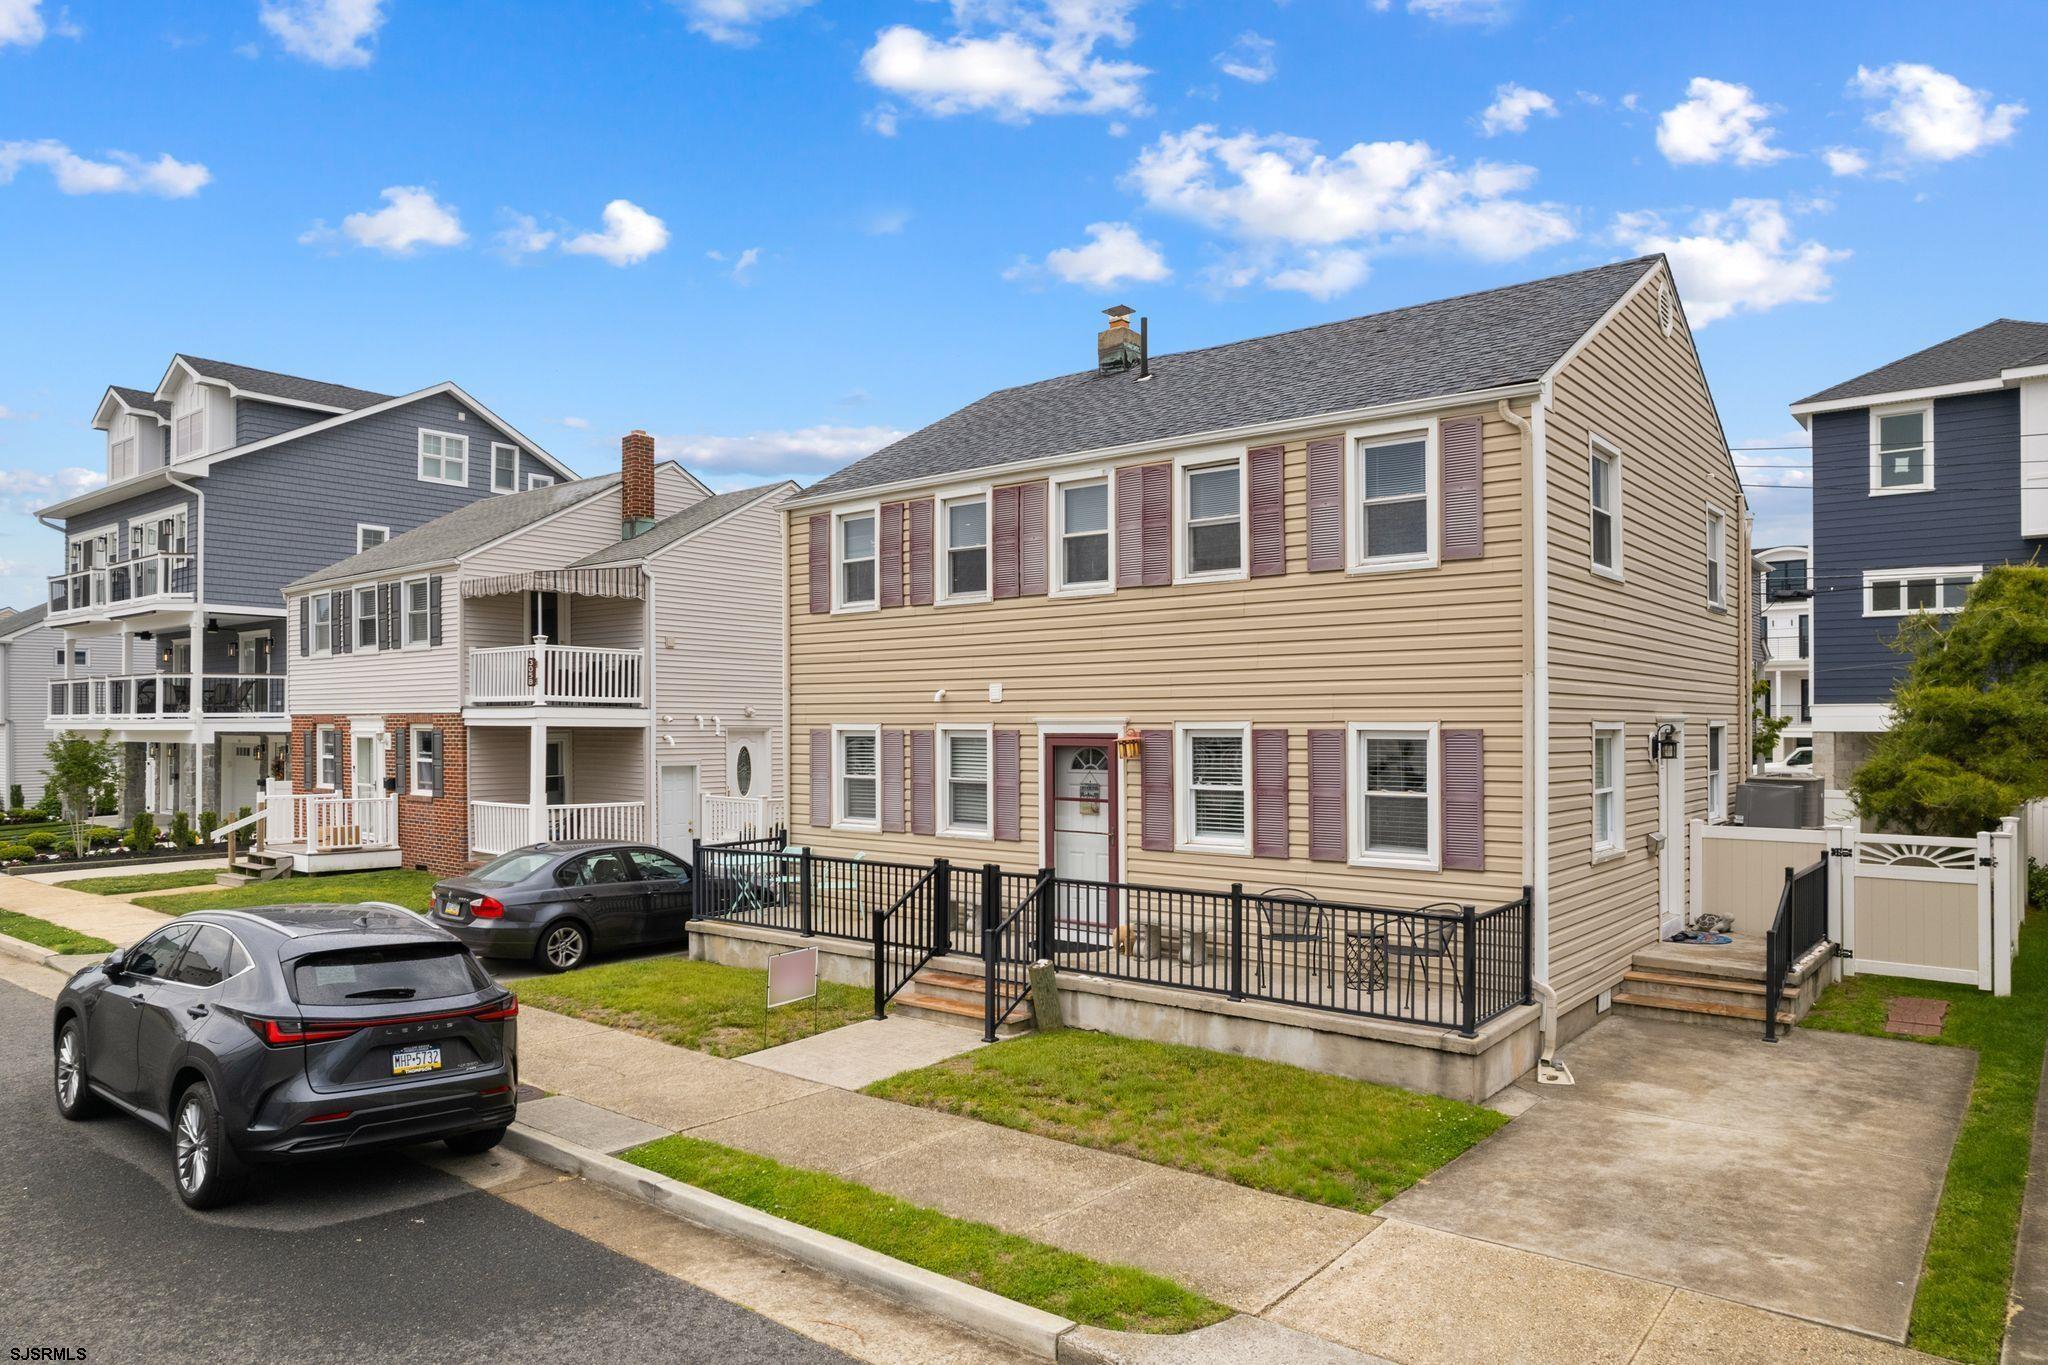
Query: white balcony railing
[(727, 818), (500, 826), (543, 674), (165, 696), (131, 582), (324, 821)]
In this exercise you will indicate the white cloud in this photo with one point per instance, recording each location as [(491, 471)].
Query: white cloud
[(1632, 101), (123, 173), (734, 21), (576, 423), (1743, 259), (1114, 254), (21, 23), (1512, 108), (1275, 192), (1249, 58), (28, 489), (1323, 274), (886, 222), (410, 219), (522, 236), (1457, 11), (1932, 116), (1011, 59), (1845, 160), (7, 413), (631, 234), (741, 269), (1717, 121), (330, 33), (811, 450)]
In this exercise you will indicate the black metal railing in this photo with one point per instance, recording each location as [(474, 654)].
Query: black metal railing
[(1800, 924), (1012, 939), (909, 934)]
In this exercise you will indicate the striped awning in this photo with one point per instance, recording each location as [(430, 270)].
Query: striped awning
[(613, 582)]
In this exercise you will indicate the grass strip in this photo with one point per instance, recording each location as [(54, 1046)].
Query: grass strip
[(703, 1006), (1349, 1144), (1115, 1297), (399, 886), (55, 937), (137, 883), (1959, 1309)]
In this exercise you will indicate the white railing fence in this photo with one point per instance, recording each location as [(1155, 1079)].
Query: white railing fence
[(322, 822), (543, 673), (727, 818), (499, 826), (598, 820)]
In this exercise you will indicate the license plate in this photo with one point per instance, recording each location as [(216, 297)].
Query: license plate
[(406, 1061), (452, 908)]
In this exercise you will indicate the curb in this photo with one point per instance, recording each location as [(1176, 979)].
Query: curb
[(29, 952), (977, 1310)]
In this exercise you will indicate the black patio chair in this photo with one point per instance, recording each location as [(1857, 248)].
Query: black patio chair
[(1303, 925), (1427, 943)]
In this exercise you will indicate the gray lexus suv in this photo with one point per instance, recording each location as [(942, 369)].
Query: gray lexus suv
[(287, 1033)]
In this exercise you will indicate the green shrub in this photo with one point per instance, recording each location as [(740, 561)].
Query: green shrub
[(51, 807), (142, 834), (41, 840), (99, 836), (181, 830), (209, 821), (2037, 884), (14, 801), (21, 815), (14, 853), (245, 812)]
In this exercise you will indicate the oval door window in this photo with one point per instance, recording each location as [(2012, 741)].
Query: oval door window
[(743, 770)]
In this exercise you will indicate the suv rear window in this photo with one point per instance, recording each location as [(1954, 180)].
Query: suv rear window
[(426, 972)]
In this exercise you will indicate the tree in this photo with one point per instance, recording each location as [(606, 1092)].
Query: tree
[(1765, 727), (80, 769), (1969, 736)]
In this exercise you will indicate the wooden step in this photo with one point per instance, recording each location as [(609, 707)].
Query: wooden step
[(1706, 1007), (1703, 983), (939, 1004), (938, 976), (944, 1010)]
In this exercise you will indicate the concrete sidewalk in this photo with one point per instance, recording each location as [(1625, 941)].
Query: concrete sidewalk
[(108, 917)]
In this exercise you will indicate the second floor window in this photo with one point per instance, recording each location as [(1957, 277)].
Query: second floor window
[(1084, 535), (1393, 494), (857, 561), (444, 458), (1901, 592), (122, 459), (320, 628), (1606, 511), (418, 615), (1215, 522), (1901, 450), (366, 618), (1805, 636), (966, 533), (1717, 559), (504, 468), (189, 434)]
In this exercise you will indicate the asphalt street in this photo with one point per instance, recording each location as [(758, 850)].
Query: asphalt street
[(378, 1259)]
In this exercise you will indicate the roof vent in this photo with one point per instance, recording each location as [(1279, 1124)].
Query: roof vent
[(1117, 347)]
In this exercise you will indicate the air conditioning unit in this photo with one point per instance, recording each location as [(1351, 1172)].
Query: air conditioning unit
[(1772, 802)]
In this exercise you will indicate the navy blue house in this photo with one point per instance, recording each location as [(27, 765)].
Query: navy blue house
[(1926, 472)]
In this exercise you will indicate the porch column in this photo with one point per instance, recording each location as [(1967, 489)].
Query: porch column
[(195, 691), (209, 775), (134, 772), (537, 781)]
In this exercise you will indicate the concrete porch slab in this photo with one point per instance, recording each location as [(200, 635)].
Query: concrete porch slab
[(857, 1055), (586, 1125)]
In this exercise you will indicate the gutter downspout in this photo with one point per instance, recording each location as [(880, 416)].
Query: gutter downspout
[(198, 681), (1536, 685)]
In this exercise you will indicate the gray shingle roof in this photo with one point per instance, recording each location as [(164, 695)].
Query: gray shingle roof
[(289, 387), (143, 399), (457, 533), (28, 618), (669, 530), (1981, 354), (1458, 345)]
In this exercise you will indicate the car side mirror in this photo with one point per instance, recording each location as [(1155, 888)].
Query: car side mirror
[(116, 963)]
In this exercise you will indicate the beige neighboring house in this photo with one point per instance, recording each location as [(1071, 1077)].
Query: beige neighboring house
[(596, 659), (1392, 612)]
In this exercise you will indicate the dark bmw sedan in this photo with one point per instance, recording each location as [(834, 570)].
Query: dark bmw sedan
[(558, 903), (288, 1033)]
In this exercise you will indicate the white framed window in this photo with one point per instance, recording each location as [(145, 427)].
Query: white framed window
[(1604, 466), (188, 433), (1717, 770), (856, 801), (369, 537), (540, 480), (1902, 592), (424, 758), (444, 458), (854, 563), (1396, 772), (1209, 509), (1215, 788), (327, 753), (320, 624), (964, 790), (1391, 481), (1717, 559), (1083, 550), (504, 468), (1608, 816), (963, 522), (416, 613), (121, 459), (365, 620), (1902, 449)]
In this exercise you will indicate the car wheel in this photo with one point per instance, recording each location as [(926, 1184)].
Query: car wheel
[(205, 1166), (470, 1144), (563, 945), (75, 1098)]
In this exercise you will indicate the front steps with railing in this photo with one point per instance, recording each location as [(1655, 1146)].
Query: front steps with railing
[(1719, 984), (950, 990), (255, 865)]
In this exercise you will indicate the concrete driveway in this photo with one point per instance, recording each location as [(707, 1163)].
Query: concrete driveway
[(1800, 1178)]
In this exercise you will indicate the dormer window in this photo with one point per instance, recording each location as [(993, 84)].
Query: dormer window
[(189, 435), (121, 459)]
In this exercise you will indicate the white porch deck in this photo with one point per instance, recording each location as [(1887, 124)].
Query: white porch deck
[(328, 831), (500, 826)]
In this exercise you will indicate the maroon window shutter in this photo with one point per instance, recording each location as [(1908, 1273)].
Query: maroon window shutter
[(923, 804), (1155, 760), (921, 553), (1031, 539), (1464, 800), (1326, 504), (1269, 793), (1268, 504), (1006, 775), (1326, 796), (1158, 525), (821, 562), (1130, 526), (892, 781), (1003, 541), (889, 555), (1459, 447), (821, 778)]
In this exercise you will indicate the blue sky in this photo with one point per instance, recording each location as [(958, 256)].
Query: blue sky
[(775, 233)]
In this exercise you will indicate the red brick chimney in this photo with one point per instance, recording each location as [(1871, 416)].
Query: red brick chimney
[(636, 484)]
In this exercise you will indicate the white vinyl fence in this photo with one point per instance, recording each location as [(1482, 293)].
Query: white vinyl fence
[(1901, 904)]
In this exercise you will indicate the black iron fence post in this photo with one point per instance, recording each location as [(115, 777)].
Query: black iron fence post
[(991, 918), (1047, 893), (875, 922), (1528, 945), (803, 893), (1237, 940), (1468, 1023), (696, 878), (942, 906)]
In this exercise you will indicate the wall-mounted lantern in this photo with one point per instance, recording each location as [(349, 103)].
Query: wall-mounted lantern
[(1664, 743), (1129, 745)]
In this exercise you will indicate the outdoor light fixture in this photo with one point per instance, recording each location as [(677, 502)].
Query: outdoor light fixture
[(1128, 744), (1664, 743)]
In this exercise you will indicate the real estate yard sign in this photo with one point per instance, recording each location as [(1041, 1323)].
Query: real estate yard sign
[(792, 976)]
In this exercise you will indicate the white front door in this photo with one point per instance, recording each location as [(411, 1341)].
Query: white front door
[(1671, 823), (1082, 818), (676, 825), (241, 768), (369, 765)]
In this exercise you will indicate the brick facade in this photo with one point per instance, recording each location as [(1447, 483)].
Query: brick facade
[(636, 477), (433, 831)]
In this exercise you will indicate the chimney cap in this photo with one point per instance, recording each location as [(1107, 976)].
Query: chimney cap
[(1119, 312)]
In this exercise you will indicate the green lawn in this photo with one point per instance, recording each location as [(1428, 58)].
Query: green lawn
[(1115, 1297), (1273, 1127), (397, 885), (44, 934), (139, 882), (1959, 1310), (699, 1005)]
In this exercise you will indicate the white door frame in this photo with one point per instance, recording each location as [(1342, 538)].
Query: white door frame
[(1106, 729), (696, 817), (1672, 824)]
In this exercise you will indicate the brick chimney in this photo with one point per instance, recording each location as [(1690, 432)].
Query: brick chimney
[(1117, 346), (636, 484)]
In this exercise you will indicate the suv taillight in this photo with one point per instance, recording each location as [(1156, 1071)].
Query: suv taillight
[(487, 907), (288, 1032), (508, 1010)]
